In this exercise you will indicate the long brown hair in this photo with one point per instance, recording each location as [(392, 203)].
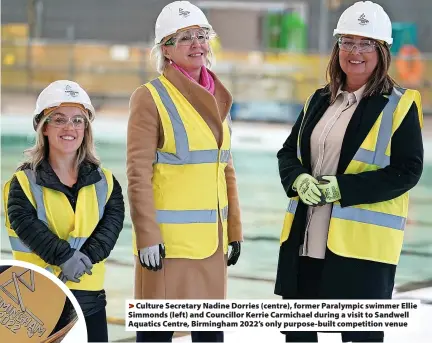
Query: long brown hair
[(37, 153), (380, 82)]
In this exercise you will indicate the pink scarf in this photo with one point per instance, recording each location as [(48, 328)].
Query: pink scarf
[(206, 80)]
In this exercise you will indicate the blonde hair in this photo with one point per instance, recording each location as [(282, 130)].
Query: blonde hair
[(156, 54), (40, 151), (380, 82)]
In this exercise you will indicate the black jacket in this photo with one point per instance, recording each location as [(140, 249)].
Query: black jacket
[(347, 278), (38, 237)]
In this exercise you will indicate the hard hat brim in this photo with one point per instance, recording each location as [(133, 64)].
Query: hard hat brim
[(171, 32), (87, 106), (337, 32)]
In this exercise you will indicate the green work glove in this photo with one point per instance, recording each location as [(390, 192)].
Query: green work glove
[(306, 186), (329, 187)]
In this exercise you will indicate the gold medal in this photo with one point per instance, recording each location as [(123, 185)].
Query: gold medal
[(30, 307)]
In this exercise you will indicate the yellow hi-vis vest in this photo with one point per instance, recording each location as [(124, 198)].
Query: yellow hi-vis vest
[(54, 209), (372, 232), (189, 185)]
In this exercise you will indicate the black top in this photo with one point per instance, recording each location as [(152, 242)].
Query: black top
[(4, 268)]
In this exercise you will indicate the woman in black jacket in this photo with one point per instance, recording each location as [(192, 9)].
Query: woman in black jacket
[(64, 211), (347, 166)]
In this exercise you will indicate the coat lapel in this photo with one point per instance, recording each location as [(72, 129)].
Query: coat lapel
[(223, 97), (213, 109), (362, 121), (314, 113)]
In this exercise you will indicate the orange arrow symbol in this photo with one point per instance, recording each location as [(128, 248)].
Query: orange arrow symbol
[(131, 305)]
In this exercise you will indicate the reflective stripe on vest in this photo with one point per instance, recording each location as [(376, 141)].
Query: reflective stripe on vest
[(183, 155), (369, 217), (292, 206), (360, 215), (101, 188), (378, 157), (189, 216), (18, 245)]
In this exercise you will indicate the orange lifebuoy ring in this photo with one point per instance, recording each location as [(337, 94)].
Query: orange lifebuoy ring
[(410, 65)]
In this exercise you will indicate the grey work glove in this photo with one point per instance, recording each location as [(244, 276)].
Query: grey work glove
[(151, 257), (75, 267)]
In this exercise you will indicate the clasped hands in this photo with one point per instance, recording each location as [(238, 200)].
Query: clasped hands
[(317, 191), (75, 267), (151, 257)]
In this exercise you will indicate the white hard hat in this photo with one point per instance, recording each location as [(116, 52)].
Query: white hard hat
[(366, 19), (58, 92), (178, 15)]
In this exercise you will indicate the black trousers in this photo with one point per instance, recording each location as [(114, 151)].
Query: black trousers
[(166, 336), (309, 279), (97, 327)]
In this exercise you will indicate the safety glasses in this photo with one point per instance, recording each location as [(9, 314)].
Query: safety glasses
[(187, 37), (363, 46), (79, 122)]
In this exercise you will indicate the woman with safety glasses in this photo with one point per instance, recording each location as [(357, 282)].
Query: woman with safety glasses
[(347, 166), (181, 180), (64, 211)]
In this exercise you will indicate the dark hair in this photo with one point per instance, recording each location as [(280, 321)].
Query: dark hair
[(381, 82)]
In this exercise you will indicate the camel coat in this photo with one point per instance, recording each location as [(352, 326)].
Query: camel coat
[(179, 278)]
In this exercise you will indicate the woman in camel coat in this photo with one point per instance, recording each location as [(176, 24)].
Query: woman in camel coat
[(186, 103)]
